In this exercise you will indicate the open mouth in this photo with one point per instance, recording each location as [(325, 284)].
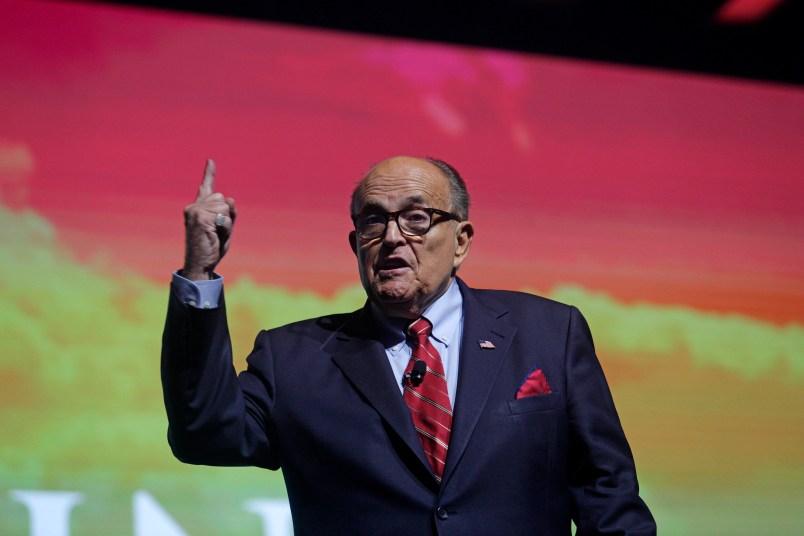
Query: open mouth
[(392, 266)]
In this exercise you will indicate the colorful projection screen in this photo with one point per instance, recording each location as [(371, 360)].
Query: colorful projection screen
[(668, 207)]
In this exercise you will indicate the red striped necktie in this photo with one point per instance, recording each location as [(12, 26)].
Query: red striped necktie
[(428, 401)]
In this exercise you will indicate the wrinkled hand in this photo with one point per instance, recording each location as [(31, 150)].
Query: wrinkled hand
[(205, 242)]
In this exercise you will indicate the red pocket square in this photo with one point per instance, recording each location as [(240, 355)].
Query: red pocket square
[(534, 384)]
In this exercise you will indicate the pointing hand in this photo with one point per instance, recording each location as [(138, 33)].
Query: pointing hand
[(208, 224)]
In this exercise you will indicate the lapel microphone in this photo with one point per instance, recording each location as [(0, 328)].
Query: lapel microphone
[(416, 374)]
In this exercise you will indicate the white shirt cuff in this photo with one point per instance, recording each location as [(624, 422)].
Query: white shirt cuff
[(200, 294)]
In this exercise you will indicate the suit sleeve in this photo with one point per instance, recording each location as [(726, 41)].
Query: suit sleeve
[(214, 417), (602, 475)]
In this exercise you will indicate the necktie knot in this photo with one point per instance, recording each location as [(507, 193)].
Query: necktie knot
[(420, 329)]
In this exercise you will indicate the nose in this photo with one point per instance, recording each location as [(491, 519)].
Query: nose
[(393, 235)]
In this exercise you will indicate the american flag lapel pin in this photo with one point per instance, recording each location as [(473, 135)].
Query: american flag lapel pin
[(486, 345)]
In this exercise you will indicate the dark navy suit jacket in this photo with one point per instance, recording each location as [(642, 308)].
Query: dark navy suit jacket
[(320, 402)]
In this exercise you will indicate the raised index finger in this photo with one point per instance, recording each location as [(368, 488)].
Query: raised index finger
[(208, 182)]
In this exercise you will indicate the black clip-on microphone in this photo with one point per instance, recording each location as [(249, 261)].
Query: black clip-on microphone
[(416, 374)]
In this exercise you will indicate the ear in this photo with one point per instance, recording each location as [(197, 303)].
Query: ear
[(464, 232), (353, 242)]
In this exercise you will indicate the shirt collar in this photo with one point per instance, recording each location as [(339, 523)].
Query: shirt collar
[(445, 314)]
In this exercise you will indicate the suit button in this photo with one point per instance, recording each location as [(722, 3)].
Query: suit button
[(442, 513)]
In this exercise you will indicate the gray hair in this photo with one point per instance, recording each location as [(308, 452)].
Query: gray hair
[(458, 194)]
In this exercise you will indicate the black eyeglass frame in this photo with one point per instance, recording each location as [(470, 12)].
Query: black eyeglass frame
[(395, 216)]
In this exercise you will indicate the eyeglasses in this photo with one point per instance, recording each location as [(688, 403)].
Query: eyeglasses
[(412, 222)]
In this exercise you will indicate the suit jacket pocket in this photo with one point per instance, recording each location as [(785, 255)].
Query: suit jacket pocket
[(533, 404)]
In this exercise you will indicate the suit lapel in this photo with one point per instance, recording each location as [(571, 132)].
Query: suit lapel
[(477, 370), (363, 361)]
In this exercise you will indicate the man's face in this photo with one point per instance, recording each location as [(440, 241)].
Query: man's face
[(404, 274)]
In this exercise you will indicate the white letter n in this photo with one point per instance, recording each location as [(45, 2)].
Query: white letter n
[(150, 518)]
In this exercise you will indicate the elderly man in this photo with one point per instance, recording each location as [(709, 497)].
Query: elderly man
[(434, 409)]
